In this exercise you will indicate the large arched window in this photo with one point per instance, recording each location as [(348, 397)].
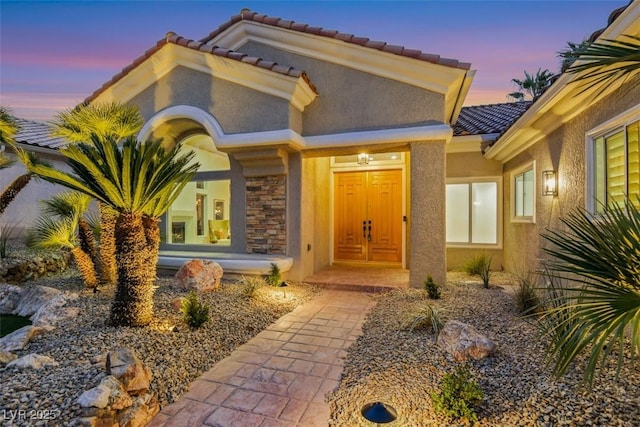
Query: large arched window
[(201, 213)]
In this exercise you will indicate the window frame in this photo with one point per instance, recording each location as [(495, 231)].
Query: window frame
[(603, 130), (521, 170), (475, 180)]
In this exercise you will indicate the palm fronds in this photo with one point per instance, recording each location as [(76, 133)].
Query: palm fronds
[(594, 288), (107, 120), (8, 125)]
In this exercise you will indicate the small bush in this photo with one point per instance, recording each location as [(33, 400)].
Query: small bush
[(7, 232), (432, 288), (194, 312), (526, 297), (250, 285), (274, 278), (480, 265), (459, 392), (427, 318)]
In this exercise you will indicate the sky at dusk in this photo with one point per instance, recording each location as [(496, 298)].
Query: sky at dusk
[(54, 54)]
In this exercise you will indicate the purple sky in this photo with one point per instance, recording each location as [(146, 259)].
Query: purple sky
[(53, 54)]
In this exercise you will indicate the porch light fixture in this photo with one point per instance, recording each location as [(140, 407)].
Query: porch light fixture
[(363, 159), (379, 413), (549, 183)]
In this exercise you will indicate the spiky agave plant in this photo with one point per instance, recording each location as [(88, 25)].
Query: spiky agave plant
[(595, 287)]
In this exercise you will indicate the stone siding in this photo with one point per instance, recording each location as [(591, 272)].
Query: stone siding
[(266, 215)]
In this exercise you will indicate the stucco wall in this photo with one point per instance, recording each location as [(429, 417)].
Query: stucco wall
[(237, 108), (352, 100), (322, 212), (564, 151)]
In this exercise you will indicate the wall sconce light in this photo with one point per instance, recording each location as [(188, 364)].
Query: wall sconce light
[(363, 159), (549, 183)]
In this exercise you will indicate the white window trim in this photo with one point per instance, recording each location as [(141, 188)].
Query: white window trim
[(623, 119), (519, 171), (471, 180)]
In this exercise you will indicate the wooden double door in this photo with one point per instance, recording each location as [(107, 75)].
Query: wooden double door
[(368, 216)]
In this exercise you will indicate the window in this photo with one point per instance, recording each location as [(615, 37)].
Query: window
[(523, 196), (616, 166), (473, 212)]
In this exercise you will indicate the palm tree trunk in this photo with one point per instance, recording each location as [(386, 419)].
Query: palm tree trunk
[(86, 267), (108, 219), (12, 191), (87, 240), (133, 304)]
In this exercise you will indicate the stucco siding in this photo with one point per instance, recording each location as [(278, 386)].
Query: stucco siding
[(236, 108), (352, 100), (322, 212), (563, 150)]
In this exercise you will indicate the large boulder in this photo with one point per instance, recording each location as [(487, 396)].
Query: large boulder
[(6, 357), (109, 392), (125, 365), (199, 275), (144, 408), (9, 298), (462, 341), (18, 339), (34, 298), (32, 361)]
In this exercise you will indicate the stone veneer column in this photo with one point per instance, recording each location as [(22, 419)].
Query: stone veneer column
[(428, 216), (266, 226)]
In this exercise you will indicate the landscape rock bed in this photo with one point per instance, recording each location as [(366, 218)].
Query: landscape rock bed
[(391, 364), (22, 265), (176, 354)]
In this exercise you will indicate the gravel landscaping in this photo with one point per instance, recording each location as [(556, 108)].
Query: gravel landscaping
[(399, 367), (176, 354)]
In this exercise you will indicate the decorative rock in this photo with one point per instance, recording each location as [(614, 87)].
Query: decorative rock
[(48, 315), (33, 361), (9, 298), (17, 339), (462, 341), (144, 408), (6, 357), (125, 365), (176, 303), (33, 298), (199, 275), (97, 397)]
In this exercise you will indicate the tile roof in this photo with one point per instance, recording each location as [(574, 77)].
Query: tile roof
[(173, 38), (486, 119), (37, 134), (248, 15)]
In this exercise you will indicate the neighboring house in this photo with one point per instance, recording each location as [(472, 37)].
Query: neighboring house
[(318, 147), (24, 209)]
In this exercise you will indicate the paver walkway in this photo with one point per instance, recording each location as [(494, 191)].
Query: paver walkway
[(281, 376)]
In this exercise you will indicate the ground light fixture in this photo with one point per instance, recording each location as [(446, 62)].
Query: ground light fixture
[(379, 412), (549, 183)]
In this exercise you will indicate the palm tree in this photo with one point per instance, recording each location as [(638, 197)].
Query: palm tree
[(601, 254), (532, 86), (602, 62), (8, 125), (107, 120), (28, 158), (56, 228), (140, 182)]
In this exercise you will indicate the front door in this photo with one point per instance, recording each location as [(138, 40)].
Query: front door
[(368, 216)]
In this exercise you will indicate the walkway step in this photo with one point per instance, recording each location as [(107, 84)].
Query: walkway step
[(351, 287), (282, 375)]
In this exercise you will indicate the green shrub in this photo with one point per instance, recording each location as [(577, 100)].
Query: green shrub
[(7, 232), (480, 265), (250, 285), (459, 392), (526, 297), (432, 288), (274, 278), (194, 312), (427, 318)]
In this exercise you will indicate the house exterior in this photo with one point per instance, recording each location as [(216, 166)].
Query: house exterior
[(318, 148)]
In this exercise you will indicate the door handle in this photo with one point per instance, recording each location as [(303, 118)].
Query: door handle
[(369, 236), (364, 229)]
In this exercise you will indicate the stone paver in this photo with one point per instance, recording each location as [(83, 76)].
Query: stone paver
[(281, 376)]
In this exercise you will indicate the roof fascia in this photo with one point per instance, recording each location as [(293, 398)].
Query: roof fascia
[(293, 89), (469, 143), (449, 81), (561, 102)]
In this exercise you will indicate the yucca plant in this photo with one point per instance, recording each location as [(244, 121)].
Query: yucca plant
[(7, 232), (140, 181), (595, 287), (274, 278), (426, 318)]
